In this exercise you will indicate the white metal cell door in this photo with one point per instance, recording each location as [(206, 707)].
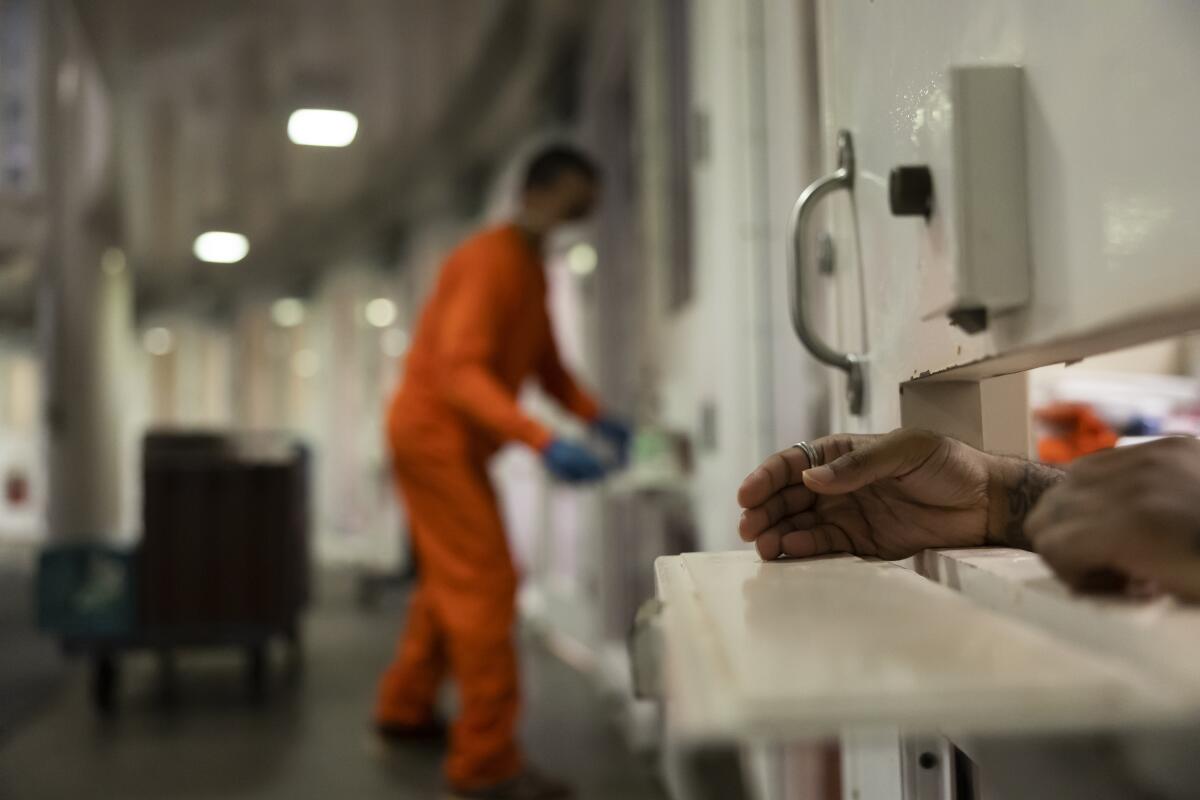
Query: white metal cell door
[(1007, 184), (1024, 186)]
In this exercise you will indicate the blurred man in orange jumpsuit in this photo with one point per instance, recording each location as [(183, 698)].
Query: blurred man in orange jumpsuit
[(482, 333)]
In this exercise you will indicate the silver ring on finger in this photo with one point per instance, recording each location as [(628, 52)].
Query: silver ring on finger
[(814, 460)]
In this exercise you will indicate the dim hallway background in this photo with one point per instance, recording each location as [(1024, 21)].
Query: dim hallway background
[(306, 738), (226, 300)]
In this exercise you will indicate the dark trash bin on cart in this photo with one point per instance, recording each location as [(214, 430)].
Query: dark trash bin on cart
[(223, 560)]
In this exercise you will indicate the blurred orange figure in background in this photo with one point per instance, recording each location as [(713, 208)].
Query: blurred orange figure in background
[(483, 332), (1076, 431)]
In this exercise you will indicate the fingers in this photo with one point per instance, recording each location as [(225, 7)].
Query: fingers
[(816, 541), (795, 522), (785, 468), (802, 536), (769, 546), (775, 493), (892, 456), (769, 543), (777, 507), (775, 474)]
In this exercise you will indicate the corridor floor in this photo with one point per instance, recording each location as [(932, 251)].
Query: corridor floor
[(307, 741)]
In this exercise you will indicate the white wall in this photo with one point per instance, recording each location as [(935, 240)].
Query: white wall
[(357, 519), (707, 353), (800, 387), (732, 347)]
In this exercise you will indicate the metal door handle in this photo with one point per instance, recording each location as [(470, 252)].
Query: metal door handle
[(841, 178)]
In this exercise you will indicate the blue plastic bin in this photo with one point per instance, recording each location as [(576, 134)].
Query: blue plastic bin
[(87, 591)]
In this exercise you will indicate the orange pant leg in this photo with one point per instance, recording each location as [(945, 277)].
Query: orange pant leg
[(469, 583), (408, 690)]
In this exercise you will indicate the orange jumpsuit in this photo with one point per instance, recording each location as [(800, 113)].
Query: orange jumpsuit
[(483, 332)]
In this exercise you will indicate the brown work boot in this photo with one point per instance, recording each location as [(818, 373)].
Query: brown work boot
[(432, 731), (529, 785), (387, 739)]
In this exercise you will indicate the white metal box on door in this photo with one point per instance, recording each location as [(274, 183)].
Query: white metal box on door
[(974, 257)]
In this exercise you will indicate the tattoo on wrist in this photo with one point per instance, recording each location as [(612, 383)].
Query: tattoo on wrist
[(1025, 484)]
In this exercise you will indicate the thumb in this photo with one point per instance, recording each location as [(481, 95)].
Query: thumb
[(890, 456)]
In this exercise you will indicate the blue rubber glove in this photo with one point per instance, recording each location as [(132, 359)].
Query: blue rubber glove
[(572, 462), (618, 433)]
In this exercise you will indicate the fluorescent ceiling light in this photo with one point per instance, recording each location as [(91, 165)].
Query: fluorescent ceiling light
[(221, 247), (322, 127), (158, 341), (288, 312), (381, 312), (582, 259)]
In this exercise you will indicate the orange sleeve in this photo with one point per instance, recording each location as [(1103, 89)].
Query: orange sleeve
[(561, 385), (471, 334)]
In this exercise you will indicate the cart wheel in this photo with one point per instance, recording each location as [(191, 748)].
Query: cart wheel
[(294, 641), (256, 670), (106, 677), (168, 678)]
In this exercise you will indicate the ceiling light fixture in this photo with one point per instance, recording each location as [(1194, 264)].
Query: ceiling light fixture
[(322, 127), (288, 312), (221, 247), (582, 259), (380, 312), (158, 341)]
